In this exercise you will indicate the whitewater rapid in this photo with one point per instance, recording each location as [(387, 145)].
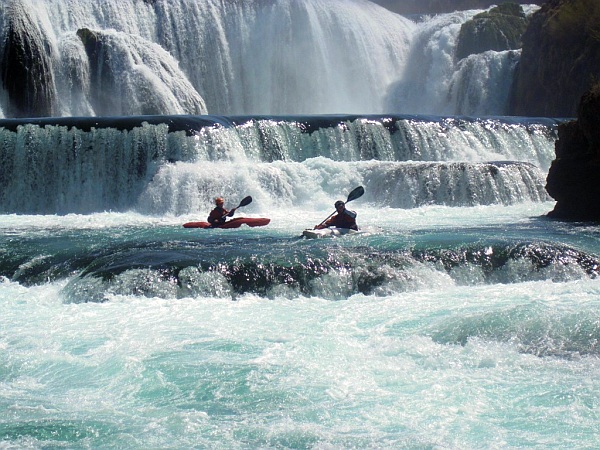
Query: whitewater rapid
[(460, 317)]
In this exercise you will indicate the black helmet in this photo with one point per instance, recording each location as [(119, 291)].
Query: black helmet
[(339, 203)]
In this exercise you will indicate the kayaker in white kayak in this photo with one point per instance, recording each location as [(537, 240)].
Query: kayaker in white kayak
[(344, 218), (219, 215)]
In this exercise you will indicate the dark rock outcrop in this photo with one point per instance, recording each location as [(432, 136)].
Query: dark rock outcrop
[(102, 76), (444, 6), (500, 28), (26, 63), (573, 177), (560, 59)]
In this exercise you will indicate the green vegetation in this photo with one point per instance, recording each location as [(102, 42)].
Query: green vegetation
[(500, 28), (574, 19)]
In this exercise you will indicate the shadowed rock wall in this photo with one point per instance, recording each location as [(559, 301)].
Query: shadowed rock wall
[(499, 29), (560, 59), (573, 178), (26, 64)]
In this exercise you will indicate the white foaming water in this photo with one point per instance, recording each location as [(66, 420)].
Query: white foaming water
[(435, 82), (425, 83), (404, 163), (460, 317), (440, 364), (429, 358), (255, 57), (482, 82), (140, 77), (251, 57)]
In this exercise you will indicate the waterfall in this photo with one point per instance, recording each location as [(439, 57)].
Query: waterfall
[(120, 57), (434, 81), (170, 168), (255, 57)]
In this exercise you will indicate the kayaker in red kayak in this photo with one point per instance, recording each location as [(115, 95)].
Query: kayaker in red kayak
[(219, 215), (343, 219)]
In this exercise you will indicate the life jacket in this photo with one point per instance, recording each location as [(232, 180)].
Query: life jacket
[(347, 219), (217, 215)]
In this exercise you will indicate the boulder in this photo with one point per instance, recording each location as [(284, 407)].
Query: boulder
[(444, 6), (500, 28), (27, 74), (101, 73), (573, 176), (559, 61)]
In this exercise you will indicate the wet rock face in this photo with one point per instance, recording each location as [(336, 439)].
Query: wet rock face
[(499, 29), (444, 6), (573, 179), (589, 120), (101, 74), (560, 59), (26, 64)]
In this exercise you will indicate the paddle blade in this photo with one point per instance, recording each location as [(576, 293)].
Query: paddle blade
[(245, 201), (356, 193)]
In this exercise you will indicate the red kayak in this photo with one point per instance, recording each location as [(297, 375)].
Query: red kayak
[(233, 223)]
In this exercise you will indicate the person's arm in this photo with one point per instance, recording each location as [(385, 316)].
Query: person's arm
[(326, 224), (351, 219), (211, 217)]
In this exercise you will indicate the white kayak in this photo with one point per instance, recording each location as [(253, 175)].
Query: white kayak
[(327, 232)]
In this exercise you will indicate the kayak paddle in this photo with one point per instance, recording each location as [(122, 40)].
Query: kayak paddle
[(245, 201), (353, 195), (356, 193)]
